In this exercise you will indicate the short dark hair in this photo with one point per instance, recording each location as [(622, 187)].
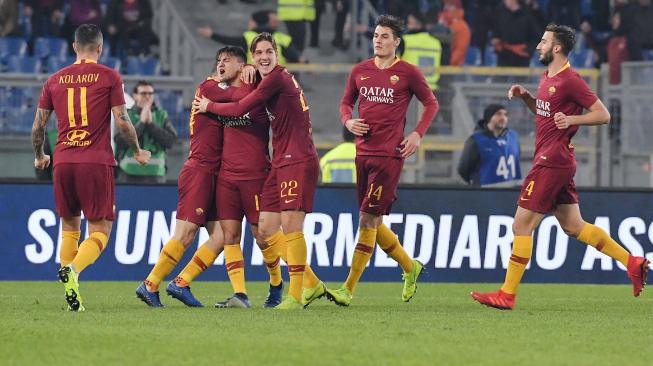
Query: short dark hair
[(261, 17), (564, 36), (141, 83), (347, 135), (392, 22), (88, 35), (264, 36), (235, 51)]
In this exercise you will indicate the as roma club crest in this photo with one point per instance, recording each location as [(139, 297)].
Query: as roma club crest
[(394, 79), (552, 90)]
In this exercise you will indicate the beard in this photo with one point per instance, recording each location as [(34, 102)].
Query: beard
[(547, 58)]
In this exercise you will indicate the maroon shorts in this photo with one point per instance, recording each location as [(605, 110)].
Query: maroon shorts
[(85, 187), (291, 187), (377, 178), (197, 196), (238, 198), (544, 188)]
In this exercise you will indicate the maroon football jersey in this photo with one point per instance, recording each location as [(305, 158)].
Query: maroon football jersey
[(383, 98), (206, 130), (81, 96), (245, 153), (292, 141), (564, 92)]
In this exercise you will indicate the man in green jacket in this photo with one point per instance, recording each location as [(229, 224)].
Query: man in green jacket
[(155, 134)]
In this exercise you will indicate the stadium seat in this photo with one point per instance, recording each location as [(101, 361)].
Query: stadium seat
[(143, 66), (181, 123), (171, 102), (648, 55), (55, 63), (50, 46), (111, 62), (20, 119), (473, 56), (581, 58), (12, 46), (490, 57), (24, 64)]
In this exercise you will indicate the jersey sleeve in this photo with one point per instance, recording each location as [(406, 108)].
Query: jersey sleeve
[(580, 92), (349, 97), (270, 86), (423, 92), (117, 93), (45, 101)]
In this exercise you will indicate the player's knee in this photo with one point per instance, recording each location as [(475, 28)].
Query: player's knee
[(186, 236), (231, 236), (265, 232), (572, 229), (521, 229)]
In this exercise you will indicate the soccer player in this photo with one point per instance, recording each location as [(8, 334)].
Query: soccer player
[(83, 95), (197, 206), (562, 95), (383, 86), (290, 186)]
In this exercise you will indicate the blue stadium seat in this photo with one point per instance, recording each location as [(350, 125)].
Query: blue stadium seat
[(581, 58), (180, 121), (535, 60), (24, 64), (106, 50), (473, 56), (111, 62), (19, 120), (12, 46), (171, 102), (143, 66), (50, 46), (490, 57), (55, 63), (648, 55)]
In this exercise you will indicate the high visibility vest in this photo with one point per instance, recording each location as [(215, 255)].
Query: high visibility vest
[(283, 41), (157, 164), (425, 51), (296, 10), (338, 166)]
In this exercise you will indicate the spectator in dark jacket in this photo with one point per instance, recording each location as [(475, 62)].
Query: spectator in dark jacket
[(129, 24), (515, 34), (46, 16)]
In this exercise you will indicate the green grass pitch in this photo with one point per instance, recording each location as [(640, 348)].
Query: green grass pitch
[(553, 325)]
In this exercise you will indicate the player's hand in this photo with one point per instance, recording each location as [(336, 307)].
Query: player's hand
[(200, 103), (205, 31), (42, 163), (562, 121), (517, 91), (142, 156), (357, 126), (248, 74), (410, 144)]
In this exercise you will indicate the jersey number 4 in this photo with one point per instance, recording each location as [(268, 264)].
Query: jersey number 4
[(82, 107)]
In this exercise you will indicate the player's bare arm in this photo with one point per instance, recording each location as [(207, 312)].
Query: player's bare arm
[(41, 161), (598, 115), (124, 124), (519, 91)]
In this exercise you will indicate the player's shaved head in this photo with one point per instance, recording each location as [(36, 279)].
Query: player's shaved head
[(563, 36), (88, 36)]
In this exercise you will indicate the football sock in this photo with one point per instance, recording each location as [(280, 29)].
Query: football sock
[(599, 239), (168, 259), (296, 263), (389, 242), (362, 254), (522, 247), (69, 246), (272, 259), (90, 250), (202, 259), (235, 263), (310, 279)]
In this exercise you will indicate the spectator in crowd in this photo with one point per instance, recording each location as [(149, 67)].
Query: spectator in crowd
[(617, 46), (46, 16), (453, 17), (260, 21), (538, 14), (129, 24), (485, 13), (565, 12), (421, 49), (337, 165), (638, 22), (9, 18), (492, 153), (296, 13), (320, 7), (155, 134), (342, 9), (515, 34), (82, 12)]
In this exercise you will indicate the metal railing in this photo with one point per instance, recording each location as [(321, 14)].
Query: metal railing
[(178, 47)]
